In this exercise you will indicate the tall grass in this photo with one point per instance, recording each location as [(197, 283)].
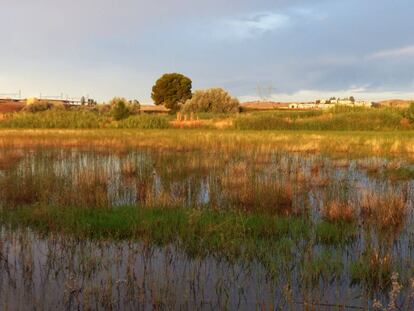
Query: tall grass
[(338, 143), (77, 119), (336, 119), (81, 119), (143, 122)]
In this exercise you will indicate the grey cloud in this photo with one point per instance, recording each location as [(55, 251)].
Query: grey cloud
[(293, 45)]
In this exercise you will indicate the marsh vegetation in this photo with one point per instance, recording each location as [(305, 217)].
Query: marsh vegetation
[(228, 222), (214, 109)]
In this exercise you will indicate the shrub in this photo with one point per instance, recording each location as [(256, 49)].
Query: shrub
[(214, 100), (171, 89), (409, 113), (122, 109), (42, 106)]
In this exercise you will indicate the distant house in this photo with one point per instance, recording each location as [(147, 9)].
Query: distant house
[(324, 104), (308, 105)]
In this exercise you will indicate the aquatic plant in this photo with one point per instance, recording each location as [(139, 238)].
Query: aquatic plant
[(385, 210)]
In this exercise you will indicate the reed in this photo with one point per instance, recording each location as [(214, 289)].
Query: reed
[(300, 207), (386, 210), (335, 211), (337, 119), (327, 143)]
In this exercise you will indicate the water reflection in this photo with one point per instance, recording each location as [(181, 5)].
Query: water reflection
[(48, 271)]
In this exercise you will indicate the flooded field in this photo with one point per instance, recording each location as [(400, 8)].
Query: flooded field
[(136, 229)]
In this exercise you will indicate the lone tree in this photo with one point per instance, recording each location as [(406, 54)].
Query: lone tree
[(171, 89)]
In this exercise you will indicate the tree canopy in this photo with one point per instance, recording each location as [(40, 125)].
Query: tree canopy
[(172, 89)]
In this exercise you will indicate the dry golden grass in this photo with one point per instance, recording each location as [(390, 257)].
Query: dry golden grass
[(252, 195), (372, 166), (339, 212), (316, 167), (399, 144), (386, 211), (9, 159), (341, 163), (90, 189), (128, 169), (180, 124)]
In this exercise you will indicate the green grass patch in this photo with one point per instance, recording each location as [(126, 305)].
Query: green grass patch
[(402, 173), (82, 119), (335, 233), (55, 119), (199, 232), (143, 122), (336, 119)]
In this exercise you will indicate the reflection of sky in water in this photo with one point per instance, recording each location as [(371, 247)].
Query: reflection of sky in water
[(191, 183)]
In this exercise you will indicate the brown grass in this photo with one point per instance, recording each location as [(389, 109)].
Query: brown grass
[(386, 211), (251, 195), (128, 169), (10, 159), (335, 211)]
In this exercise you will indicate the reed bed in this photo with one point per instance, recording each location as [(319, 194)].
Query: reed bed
[(355, 144), (314, 227), (337, 119)]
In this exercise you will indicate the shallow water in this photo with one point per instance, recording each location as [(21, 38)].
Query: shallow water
[(47, 272)]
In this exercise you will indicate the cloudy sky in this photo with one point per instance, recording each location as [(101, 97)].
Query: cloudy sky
[(293, 50)]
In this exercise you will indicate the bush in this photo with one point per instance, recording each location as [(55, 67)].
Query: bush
[(122, 109), (214, 100), (42, 106), (409, 113), (171, 89)]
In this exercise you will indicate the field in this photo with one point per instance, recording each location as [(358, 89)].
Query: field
[(206, 219)]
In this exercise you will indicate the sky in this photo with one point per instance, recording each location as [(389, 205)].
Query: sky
[(264, 49)]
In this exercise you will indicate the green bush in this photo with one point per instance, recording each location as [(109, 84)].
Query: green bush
[(409, 113), (214, 100), (122, 109)]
